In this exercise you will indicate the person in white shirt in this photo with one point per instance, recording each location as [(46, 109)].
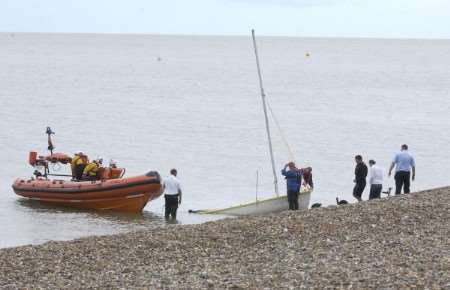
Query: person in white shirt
[(172, 194), (375, 180)]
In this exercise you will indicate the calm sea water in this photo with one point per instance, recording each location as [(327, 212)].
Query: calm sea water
[(157, 102)]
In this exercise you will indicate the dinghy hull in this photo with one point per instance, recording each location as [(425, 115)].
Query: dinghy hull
[(265, 206)]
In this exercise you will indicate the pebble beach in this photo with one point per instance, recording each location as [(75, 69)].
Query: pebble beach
[(394, 243)]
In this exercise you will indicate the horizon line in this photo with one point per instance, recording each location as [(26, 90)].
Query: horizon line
[(217, 35)]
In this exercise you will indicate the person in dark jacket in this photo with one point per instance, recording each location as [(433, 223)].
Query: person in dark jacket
[(293, 181), (360, 177)]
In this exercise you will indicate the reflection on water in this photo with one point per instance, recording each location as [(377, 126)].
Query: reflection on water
[(116, 217), (35, 222)]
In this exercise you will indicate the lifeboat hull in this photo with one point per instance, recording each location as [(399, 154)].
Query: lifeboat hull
[(129, 194)]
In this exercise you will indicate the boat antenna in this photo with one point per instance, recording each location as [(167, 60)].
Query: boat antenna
[(49, 133), (263, 96)]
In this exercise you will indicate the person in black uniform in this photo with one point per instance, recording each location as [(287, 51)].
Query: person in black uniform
[(360, 177)]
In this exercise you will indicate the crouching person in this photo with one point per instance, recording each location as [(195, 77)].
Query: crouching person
[(172, 194), (90, 172)]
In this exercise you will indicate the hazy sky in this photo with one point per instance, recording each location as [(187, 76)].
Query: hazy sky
[(350, 18)]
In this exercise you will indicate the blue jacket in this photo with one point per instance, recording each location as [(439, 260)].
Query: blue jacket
[(293, 179)]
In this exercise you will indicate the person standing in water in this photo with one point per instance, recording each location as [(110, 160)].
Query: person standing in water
[(375, 180), (172, 194), (293, 181), (404, 163), (360, 177)]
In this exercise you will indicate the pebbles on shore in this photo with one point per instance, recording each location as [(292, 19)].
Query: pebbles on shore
[(400, 242)]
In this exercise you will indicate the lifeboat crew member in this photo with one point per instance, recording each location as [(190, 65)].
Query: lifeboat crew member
[(172, 194), (90, 171), (112, 164), (73, 162), (78, 163)]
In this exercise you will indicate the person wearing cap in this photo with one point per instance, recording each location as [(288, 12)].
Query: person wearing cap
[(375, 180), (404, 163), (172, 194), (293, 178)]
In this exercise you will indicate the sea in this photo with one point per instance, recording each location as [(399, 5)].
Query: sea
[(156, 102)]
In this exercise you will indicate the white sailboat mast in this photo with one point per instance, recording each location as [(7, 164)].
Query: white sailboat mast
[(263, 96)]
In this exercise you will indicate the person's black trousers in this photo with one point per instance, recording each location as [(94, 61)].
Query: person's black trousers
[(359, 189), (292, 199), (79, 171), (171, 205), (375, 191), (402, 179)]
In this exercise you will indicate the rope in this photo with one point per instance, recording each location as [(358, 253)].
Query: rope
[(283, 137)]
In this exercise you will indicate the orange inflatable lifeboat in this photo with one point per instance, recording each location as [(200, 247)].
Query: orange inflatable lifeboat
[(124, 194), (110, 192)]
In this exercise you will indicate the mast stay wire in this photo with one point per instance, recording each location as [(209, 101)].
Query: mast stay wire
[(280, 131), (266, 119)]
